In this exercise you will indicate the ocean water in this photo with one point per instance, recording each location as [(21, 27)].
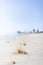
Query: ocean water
[(34, 49)]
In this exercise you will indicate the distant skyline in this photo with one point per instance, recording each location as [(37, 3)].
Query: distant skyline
[(23, 15)]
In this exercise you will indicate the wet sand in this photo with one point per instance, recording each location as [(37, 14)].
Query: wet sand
[(32, 44)]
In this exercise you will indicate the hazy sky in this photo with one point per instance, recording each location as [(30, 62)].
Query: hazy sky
[(21, 15)]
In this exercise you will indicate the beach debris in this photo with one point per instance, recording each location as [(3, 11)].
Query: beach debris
[(20, 49), (13, 62), (21, 52), (24, 44)]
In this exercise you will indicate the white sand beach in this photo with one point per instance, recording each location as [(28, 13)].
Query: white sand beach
[(32, 44)]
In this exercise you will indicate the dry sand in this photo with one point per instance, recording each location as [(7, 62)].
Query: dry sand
[(32, 44)]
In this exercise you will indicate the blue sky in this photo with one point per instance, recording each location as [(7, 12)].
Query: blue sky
[(23, 15)]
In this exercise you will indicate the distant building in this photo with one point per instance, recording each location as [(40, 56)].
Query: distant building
[(37, 30), (34, 30), (18, 31)]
